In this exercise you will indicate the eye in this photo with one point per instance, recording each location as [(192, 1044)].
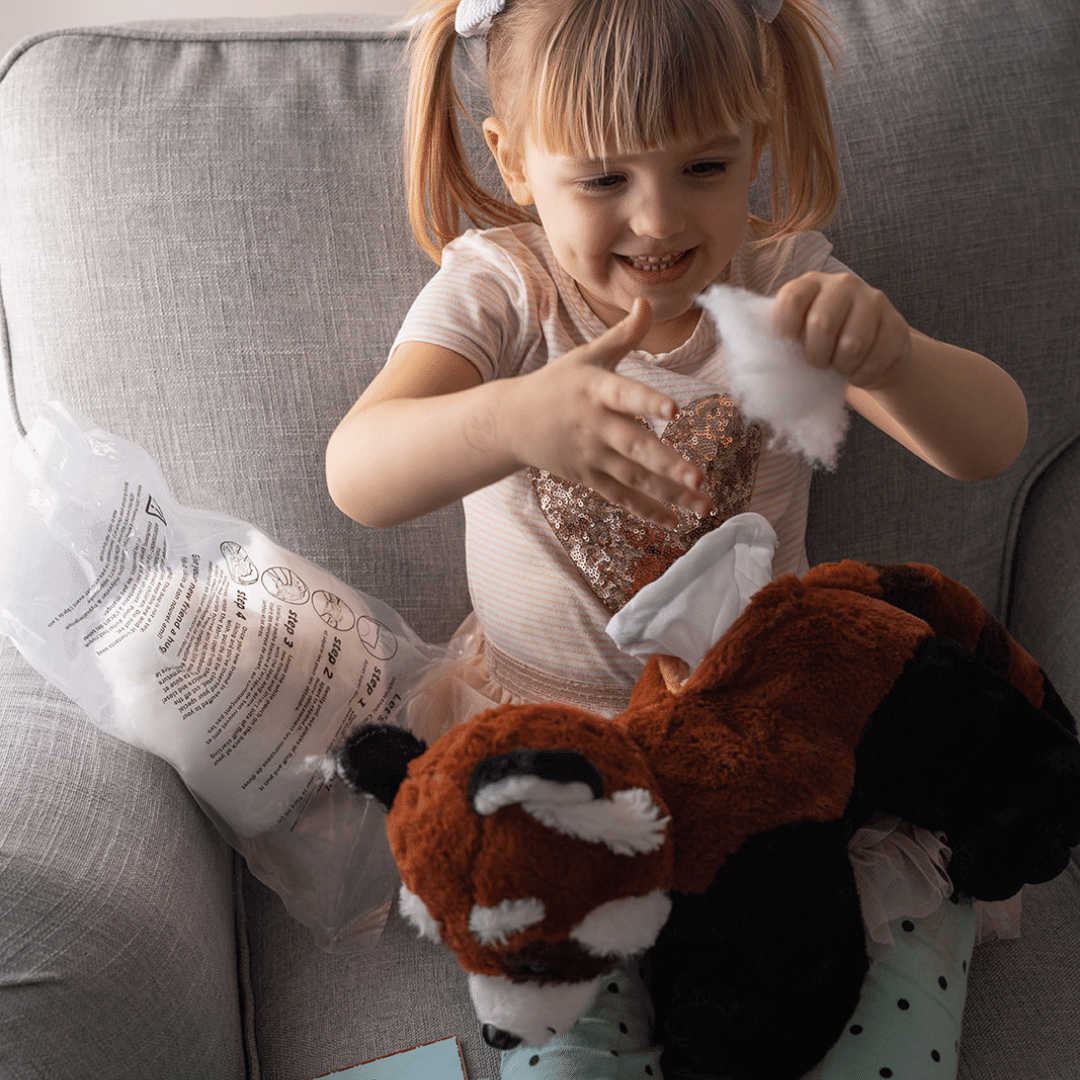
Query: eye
[(601, 183), (706, 169)]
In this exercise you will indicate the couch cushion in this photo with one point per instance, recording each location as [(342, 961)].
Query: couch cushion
[(1044, 614), (959, 133), (203, 248), (1020, 1019), (314, 1012)]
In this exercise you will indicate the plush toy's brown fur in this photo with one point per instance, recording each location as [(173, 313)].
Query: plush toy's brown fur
[(856, 688), (764, 731), (456, 858)]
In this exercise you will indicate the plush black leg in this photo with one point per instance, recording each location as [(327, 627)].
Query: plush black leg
[(755, 979), (955, 748)]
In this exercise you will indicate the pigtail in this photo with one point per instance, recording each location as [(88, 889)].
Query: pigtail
[(805, 170), (439, 180)]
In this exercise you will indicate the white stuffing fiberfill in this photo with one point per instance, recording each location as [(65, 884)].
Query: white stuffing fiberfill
[(770, 379)]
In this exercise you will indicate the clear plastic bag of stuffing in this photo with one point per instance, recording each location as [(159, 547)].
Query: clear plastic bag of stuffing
[(194, 636)]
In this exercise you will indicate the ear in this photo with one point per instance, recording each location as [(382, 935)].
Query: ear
[(375, 759), (564, 791), (510, 162), (560, 769)]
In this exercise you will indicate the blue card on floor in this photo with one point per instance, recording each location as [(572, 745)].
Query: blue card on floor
[(439, 1060)]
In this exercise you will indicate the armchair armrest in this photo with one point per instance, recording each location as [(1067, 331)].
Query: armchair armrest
[(1044, 606), (117, 940)]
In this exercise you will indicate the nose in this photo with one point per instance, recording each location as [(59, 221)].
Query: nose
[(498, 1039), (657, 213)]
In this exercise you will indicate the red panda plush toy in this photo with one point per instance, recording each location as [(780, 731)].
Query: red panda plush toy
[(710, 820)]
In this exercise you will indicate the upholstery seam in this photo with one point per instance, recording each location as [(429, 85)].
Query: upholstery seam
[(154, 30), (1016, 517), (9, 366), (243, 973)]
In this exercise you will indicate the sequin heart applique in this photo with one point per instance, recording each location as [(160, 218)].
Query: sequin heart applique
[(618, 553)]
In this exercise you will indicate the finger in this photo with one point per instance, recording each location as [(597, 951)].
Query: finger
[(889, 355), (657, 474), (628, 397), (791, 305), (638, 459), (825, 322), (856, 342), (635, 501), (625, 336), (655, 488)]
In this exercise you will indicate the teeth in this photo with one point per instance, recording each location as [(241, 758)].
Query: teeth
[(654, 263)]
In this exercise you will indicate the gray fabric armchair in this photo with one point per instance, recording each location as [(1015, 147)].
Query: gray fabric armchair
[(203, 247)]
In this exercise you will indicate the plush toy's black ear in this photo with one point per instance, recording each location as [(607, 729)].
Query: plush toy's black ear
[(556, 766), (375, 760)]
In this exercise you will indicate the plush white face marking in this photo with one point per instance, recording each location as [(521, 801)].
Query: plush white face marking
[(493, 925), (520, 789), (623, 927), (629, 823), (531, 1012), (415, 911)]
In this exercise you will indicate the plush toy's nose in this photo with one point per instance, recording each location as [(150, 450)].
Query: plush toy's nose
[(498, 1039)]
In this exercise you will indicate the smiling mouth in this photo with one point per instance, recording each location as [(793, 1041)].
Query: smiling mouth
[(655, 264)]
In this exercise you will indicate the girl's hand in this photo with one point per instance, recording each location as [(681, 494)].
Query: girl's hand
[(843, 323), (951, 407), (577, 419)]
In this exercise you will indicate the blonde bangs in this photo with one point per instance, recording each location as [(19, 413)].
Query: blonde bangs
[(591, 78), (632, 76)]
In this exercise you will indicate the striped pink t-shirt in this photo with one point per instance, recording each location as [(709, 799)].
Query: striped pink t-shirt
[(501, 301)]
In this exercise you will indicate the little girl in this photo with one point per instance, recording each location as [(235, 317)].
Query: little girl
[(627, 134)]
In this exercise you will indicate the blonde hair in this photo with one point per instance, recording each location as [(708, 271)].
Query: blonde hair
[(593, 77)]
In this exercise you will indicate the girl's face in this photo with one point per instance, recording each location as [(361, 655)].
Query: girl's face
[(662, 225)]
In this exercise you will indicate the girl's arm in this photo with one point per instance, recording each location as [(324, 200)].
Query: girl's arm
[(955, 409), (428, 431), (952, 407)]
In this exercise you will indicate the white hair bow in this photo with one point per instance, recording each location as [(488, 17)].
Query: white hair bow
[(474, 16)]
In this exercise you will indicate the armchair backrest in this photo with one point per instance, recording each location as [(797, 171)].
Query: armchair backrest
[(203, 247)]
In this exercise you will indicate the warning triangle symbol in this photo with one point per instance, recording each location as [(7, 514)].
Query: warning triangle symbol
[(154, 510)]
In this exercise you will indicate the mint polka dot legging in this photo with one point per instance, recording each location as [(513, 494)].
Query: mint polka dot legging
[(612, 1041), (906, 1026)]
